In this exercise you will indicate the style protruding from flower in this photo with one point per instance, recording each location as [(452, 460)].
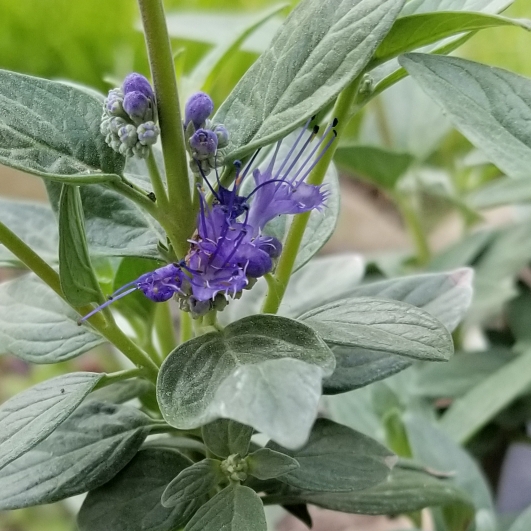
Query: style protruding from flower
[(129, 120), (231, 248), (204, 138)]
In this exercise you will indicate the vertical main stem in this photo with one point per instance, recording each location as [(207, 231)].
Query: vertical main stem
[(287, 259), (171, 124)]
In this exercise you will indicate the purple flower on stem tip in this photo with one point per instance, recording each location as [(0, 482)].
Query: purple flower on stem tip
[(137, 83), (139, 108), (197, 109), (159, 285), (204, 144)]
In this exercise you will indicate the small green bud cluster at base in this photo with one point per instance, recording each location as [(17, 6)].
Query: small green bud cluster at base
[(129, 117), (235, 467)]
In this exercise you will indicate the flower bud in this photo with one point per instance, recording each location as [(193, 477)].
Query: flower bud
[(198, 108), (204, 144), (270, 245), (147, 133), (223, 136), (137, 83), (128, 135), (138, 107), (114, 103)]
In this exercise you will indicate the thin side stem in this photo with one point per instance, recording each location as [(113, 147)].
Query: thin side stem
[(287, 259), (136, 195), (119, 376), (170, 121), (109, 330), (156, 181)]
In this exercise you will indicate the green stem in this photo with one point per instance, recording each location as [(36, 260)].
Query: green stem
[(136, 195), (109, 330), (164, 328), (170, 121), (287, 259), (119, 376), (415, 229), (156, 181), (187, 329)]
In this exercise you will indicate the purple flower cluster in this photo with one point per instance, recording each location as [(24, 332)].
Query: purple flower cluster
[(229, 249), (130, 116)]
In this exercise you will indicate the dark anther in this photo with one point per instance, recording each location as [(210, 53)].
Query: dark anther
[(315, 129), (152, 196), (335, 132), (335, 122)]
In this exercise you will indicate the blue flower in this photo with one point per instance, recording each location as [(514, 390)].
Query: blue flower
[(197, 109)]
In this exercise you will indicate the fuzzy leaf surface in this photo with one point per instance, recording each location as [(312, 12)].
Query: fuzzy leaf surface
[(29, 417), (131, 500), (37, 326), (264, 371), (52, 130), (318, 51), (84, 452)]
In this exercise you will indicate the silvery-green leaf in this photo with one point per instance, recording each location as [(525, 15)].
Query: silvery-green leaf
[(337, 459), (235, 508), (193, 482), (317, 52), (34, 224), (523, 522), (427, 6), (53, 130), (490, 106), (37, 326), (225, 437), (29, 417), (265, 463), (131, 500), (264, 371), (78, 279), (383, 326), (84, 452)]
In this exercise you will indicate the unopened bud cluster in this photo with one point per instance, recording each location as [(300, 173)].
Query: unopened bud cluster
[(204, 138), (129, 120), (235, 467)]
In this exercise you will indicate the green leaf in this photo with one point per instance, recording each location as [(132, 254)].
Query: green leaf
[(504, 191), (321, 225), (78, 280), (383, 326), (267, 464), (37, 326), (405, 491), (337, 459), (235, 508), (114, 225), (357, 368), (427, 6), (411, 32), (490, 106), (122, 392), (434, 449), (523, 522), (53, 130), (210, 66), (445, 296), (225, 437), (193, 482), (131, 500), (34, 224), (319, 50), (264, 371), (468, 414), (378, 165), (463, 372), (84, 452), (29, 417)]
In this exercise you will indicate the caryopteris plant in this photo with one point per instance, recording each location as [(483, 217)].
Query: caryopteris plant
[(222, 213)]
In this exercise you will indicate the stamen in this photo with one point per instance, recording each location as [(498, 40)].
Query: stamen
[(312, 153), (301, 151), (214, 193), (202, 211), (105, 304), (303, 130), (319, 157), (249, 164)]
